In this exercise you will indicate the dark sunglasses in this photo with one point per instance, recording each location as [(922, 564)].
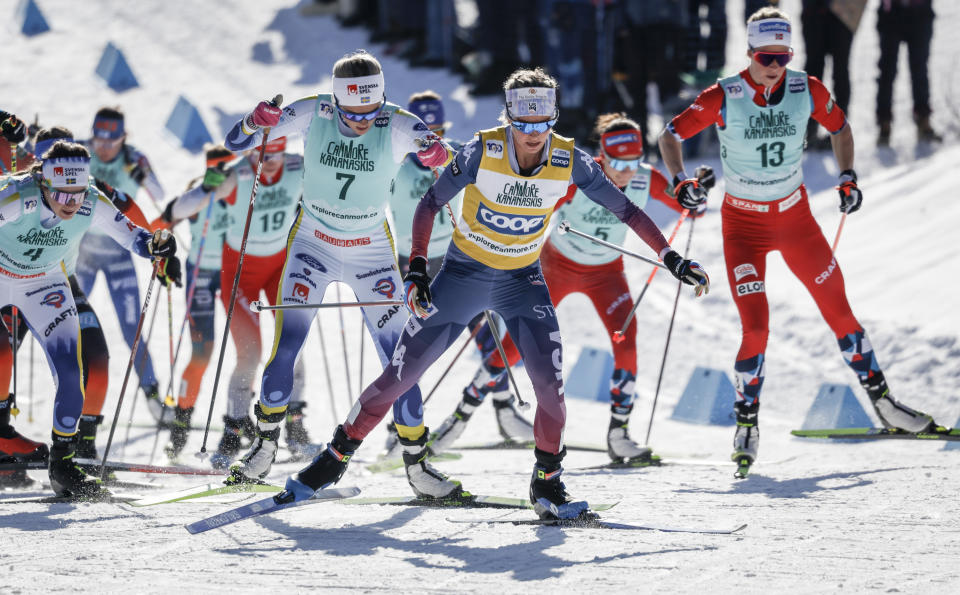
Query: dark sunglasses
[(768, 58)]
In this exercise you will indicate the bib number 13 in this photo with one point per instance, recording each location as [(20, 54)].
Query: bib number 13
[(771, 154)]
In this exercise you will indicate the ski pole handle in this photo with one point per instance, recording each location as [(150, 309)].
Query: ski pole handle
[(258, 306), (564, 227)]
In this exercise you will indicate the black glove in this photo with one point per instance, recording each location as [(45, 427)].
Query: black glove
[(12, 128), (688, 271), (416, 288), (213, 177), (689, 192), (163, 244), (850, 195), (706, 177), (170, 271)]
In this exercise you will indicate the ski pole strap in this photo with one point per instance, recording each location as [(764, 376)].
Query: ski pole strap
[(258, 306), (564, 227)]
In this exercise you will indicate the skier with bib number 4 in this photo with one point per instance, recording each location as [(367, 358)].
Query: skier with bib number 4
[(354, 143), (513, 176), (53, 205), (761, 114)]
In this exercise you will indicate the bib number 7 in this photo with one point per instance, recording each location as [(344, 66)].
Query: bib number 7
[(346, 185)]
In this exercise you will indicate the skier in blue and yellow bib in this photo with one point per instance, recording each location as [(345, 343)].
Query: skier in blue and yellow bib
[(513, 176)]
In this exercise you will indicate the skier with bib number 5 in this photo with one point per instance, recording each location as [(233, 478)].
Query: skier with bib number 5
[(761, 114), (513, 176)]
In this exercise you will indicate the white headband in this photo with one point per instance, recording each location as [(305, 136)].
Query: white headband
[(67, 171), (531, 101), (768, 32), (359, 91)]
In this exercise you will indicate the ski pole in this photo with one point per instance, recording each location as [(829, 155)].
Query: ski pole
[(126, 376), (326, 367), (30, 405), (666, 347), (146, 342), (564, 227), (192, 287), (236, 280), (360, 375), (346, 359), (618, 335), (466, 344), (836, 239), (168, 401), (258, 306), (523, 405)]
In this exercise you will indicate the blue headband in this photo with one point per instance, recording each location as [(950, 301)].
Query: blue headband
[(42, 146), (428, 110), (107, 127)]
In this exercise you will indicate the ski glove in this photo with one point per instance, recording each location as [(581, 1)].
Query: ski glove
[(850, 195), (689, 192), (163, 244), (170, 271), (688, 271), (433, 156), (416, 288), (12, 129), (265, 114), (213, 177), (706, 176)]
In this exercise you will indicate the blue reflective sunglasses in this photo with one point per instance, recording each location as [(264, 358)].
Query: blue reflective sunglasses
[(530, 128), (359, 117), (622, 164)]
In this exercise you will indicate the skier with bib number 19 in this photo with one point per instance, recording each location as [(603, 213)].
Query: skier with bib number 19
[(493, 264), (761, 114)]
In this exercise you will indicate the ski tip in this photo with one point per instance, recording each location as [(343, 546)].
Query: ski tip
[(739, 529)]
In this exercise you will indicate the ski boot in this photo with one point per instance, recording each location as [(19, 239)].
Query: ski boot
[(426, 481), (66, 477), (298, 441), (87, 432), (325, 470), (513, 426), (15, 448), (179, 432), (452, 427), (255, 465), (892, 413), (230, 445), (622, 450), (549, 496), (746, 440)]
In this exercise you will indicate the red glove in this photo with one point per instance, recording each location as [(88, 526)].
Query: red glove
[(265, 114), (433, 156)]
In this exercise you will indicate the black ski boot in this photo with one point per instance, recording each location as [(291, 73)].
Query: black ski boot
[(66, 477), (746, 439), (298, 440), (87, 432), (549, 496), (179, 432), (233, 429), (256, 464), (325, 470), (15, 448)]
